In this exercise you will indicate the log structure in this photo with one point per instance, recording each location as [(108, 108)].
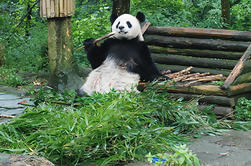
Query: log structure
[(216, 51)]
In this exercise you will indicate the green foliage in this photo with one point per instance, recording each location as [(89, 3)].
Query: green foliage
[(107, 128), (10, 77), (90, 21), (181, 157), (243, 110), (241, 15), (29, 54)]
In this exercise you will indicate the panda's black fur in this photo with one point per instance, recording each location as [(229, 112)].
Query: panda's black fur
[(130, 55)]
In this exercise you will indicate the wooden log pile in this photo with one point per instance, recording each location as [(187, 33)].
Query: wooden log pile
[(185, 78)]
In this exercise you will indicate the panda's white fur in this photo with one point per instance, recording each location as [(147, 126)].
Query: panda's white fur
[(122, 61), (110, 76)]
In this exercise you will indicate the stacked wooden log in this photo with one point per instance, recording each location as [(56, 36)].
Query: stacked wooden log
[(207, 50), (213, 51)]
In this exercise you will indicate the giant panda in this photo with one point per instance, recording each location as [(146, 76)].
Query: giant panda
[(121, 61)]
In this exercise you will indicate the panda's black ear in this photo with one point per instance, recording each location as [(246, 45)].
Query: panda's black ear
[(113, 17), (140, 16)]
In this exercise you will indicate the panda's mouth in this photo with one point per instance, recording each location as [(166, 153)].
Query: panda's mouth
[(122, 32)]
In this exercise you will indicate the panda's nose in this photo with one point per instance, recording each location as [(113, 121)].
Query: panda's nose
[(121, 27)]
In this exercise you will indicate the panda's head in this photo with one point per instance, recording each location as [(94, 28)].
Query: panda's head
[(127, 26)]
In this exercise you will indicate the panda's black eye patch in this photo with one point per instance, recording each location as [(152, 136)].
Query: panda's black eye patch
[(128, 24), (117, 26)]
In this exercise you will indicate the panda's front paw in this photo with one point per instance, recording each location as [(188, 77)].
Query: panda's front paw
[(88, 43)]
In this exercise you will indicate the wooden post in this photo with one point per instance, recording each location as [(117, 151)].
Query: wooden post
[(63, 69)]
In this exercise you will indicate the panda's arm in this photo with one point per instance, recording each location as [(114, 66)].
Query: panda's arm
[(147, 69), (96, 54)]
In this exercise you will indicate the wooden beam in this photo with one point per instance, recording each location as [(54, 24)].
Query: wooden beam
[(200, 33), (184, 42), (198, 89), (239, 89), (219, 110), (192, 61), (176, 68), (244, 78), (237, 69), (203, 99), (197, 52)]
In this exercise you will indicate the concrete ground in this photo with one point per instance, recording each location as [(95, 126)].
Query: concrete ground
[(232, 148)]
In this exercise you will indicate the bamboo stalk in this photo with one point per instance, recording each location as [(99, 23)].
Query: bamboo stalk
[(180, 73), (194, 76), (61, 3), (145, 27), (205, 79), (7, 116), (48, 9), (65, 7), (44, 8), (52, 8), (73, 7), (56, 8)]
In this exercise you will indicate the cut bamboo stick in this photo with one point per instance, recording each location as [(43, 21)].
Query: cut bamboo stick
[(7, 116), (205, 79)]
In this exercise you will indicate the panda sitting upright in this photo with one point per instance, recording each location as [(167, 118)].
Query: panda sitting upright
[(121, 61)]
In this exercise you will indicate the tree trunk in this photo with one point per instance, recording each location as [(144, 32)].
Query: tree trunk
[(63, 69), (120, 7), (1, 54), (225, 10), (28, 20)]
